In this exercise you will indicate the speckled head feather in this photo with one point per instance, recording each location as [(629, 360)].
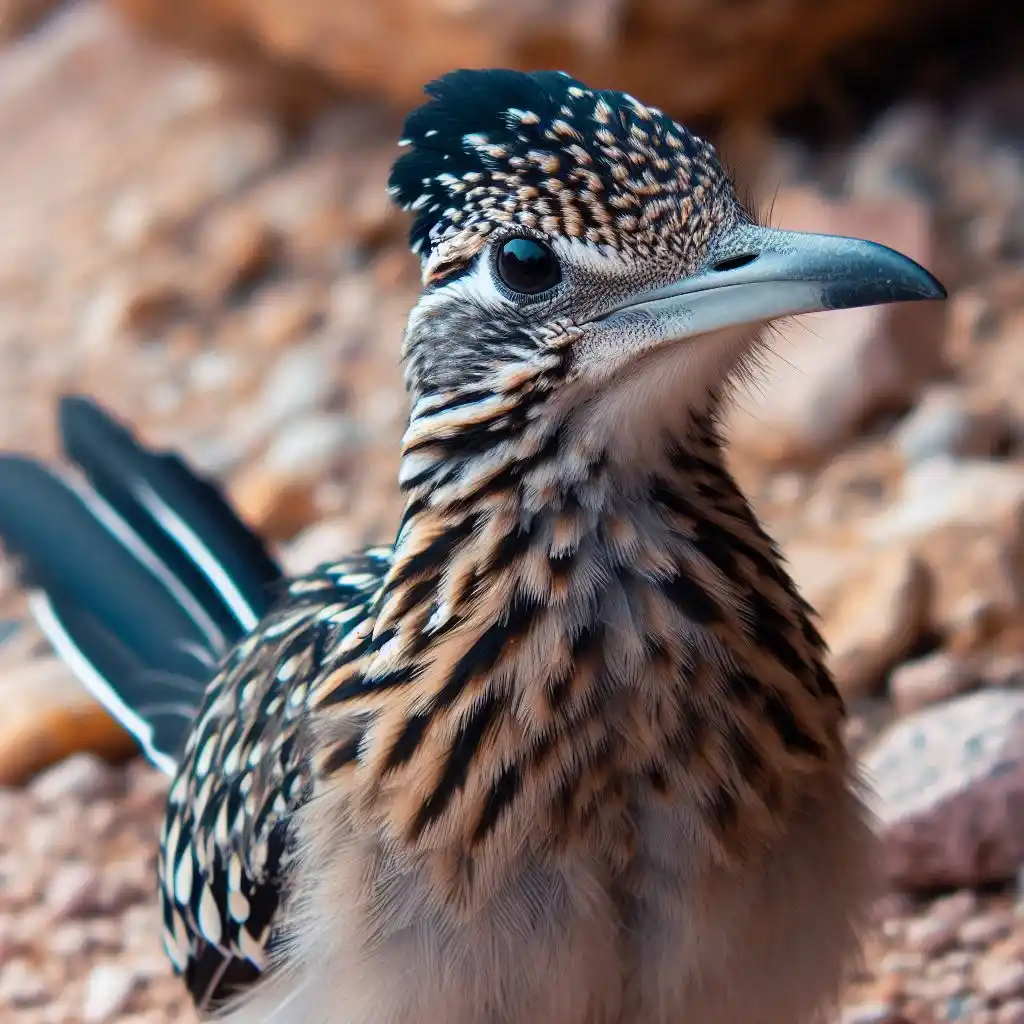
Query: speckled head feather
[(546, 152)]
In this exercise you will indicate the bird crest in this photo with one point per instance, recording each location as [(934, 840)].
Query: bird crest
[(543, 152)]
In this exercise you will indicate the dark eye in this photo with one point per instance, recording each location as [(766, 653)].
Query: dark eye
[(527, 266)]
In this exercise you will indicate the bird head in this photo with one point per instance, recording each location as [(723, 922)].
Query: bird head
[(586, 261)]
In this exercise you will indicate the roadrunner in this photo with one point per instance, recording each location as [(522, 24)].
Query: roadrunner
[(567, 751)]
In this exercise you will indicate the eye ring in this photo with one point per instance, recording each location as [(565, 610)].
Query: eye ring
[(527, 266)]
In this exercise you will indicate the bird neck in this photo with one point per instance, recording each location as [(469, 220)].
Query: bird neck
[(555, 638)]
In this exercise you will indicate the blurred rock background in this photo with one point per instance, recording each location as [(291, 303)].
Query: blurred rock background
[(193, 228)]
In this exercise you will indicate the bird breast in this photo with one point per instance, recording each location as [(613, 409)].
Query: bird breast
[(675, 938)]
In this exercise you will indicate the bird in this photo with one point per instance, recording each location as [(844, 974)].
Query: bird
[(568, 748)]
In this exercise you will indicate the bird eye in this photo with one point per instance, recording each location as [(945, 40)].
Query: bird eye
[(527, 266)]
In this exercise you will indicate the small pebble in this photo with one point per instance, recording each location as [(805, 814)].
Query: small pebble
[(103, 935), (943, 424), (869, 1013), (101, 817), (299, 381), (72, 891), (82, 778), (928, 680), (1011, 1012), (1000, 979), (308, 446), (107, 991), (10, 806), (985, 929), (22, 986), (959, 960), (931, 935), (902, 962), (125, 883)]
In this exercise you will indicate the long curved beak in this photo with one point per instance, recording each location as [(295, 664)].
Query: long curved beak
[(757, 274)]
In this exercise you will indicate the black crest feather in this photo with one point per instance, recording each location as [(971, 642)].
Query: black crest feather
[(486, 137)]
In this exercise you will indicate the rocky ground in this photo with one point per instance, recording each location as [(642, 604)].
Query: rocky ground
[(239, 293)]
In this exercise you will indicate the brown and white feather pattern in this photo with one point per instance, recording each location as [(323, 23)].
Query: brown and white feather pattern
[(566, 765)]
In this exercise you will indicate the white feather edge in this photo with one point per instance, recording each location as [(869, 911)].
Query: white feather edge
[(191, 543), (49, 622), (110, 519)]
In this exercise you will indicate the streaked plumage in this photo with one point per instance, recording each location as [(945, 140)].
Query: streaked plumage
[(568, 750)]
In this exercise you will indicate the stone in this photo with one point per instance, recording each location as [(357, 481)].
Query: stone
[(282, 314), (943, 423), (278, 494), (873, 606), (970, 320), (101, 818), (276, 506), (869, 1013), (986, 348), (985, 929), (897, 154), (20, 16), (945, 490), (133, 222), (1000, 979), (107, 991), (128, 306), (954, 909), (902, 962), (214, 371), (240, 248), (102, 935), (82, 778), (965, 520), (298, 382), (22, 986), (948, 787), (125, 883), (148, 304), (8, 629), (1011, 1012), (929, 680), (979, 592), (832, 372), (72, 891), (322, 542), (1005, 670), (730, 55), (310, 446), (50, 717), (931, 935)]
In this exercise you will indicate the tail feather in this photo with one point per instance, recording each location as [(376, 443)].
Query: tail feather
[(96, 657), (223, 561), (141, 575)]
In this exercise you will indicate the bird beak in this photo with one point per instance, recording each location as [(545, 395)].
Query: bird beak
[(757, 274)]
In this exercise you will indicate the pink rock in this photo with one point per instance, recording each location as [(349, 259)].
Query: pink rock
[(72, 891), (1000, 979), (929, 680), (949, 792), (984, 930), (1011, 1012), (931, 935)]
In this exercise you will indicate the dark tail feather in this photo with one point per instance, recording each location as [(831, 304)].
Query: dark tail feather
[(225, 564), (142, 575)]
